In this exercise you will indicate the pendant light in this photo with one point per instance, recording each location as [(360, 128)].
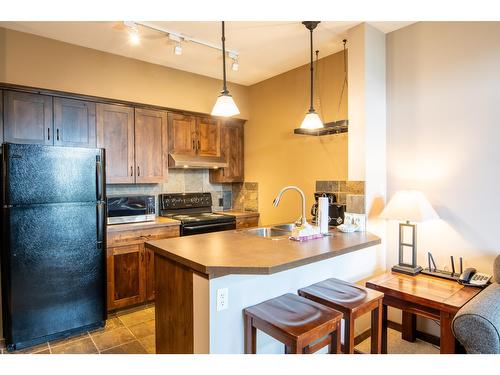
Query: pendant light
[(312, 120), (225, 105)]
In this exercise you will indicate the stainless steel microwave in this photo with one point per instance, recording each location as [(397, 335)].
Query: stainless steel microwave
[(131, 209)]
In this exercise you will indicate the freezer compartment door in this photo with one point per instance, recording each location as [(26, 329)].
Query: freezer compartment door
[(54, 270), (36, 174)]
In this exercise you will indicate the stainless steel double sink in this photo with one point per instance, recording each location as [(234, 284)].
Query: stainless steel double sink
[(274, 232)]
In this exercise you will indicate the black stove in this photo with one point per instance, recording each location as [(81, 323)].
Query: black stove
[(194, 211)]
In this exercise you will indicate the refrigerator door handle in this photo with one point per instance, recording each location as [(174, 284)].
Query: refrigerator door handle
[(100, 224), (99, 179)]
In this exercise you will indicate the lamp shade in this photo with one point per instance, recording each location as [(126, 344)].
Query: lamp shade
[(311, 121), (225, 106), (409, 205)]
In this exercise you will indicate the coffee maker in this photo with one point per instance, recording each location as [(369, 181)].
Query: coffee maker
[(335, 210)]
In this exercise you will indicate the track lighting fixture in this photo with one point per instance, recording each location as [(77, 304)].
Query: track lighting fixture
[(133, 32)]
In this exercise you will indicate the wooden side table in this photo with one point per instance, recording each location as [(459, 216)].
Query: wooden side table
[(423, 295)]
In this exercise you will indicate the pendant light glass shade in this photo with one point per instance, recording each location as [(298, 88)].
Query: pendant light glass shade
[(225, 106), (311, 121)]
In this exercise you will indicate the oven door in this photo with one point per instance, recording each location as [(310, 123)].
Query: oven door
[(189, 230)]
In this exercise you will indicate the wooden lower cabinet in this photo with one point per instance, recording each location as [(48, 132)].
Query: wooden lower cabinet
[(150, 275), (126, 276), (130, 266)]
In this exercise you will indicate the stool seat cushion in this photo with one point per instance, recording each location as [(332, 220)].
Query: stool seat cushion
[(340, 294), (294, 315)]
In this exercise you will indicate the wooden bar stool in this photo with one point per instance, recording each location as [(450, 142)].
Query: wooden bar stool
[(302, 325), (353, 301)]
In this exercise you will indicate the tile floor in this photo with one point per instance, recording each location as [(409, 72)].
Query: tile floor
[(133, 332), (126, 332)]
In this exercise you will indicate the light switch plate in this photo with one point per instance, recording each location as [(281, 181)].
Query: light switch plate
[(222, 299)]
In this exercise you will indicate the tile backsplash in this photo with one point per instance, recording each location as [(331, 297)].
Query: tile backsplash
[(180, 181), (350, 193), (246, 196)]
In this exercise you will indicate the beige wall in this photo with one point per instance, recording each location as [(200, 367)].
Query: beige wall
[(443, 135), (274, 156), (30, 60)]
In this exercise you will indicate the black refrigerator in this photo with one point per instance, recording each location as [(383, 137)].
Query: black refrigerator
[(53, 243)]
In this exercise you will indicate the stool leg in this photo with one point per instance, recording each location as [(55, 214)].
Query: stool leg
[(250, 336), (376, 331), (294, 348), (384, 329), (335, 345), (348, 334)]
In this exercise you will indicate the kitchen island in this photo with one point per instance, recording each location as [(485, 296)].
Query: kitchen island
[(204, 282)]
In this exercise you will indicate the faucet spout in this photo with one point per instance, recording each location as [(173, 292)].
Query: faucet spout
[(276, 201)]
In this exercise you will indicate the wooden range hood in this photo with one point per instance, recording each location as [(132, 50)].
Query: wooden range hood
[(178, 161)]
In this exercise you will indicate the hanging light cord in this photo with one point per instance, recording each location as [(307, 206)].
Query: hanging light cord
[(344, 84), (311, 108), (224, 88), (318, 83)]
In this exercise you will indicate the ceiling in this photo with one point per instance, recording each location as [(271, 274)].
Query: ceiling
[(265, 49)]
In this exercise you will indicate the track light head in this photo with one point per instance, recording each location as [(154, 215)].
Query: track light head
[(235, 66), (178, 49), (133, 32)]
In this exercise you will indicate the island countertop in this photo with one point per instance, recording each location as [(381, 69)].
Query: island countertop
[(236, 252)]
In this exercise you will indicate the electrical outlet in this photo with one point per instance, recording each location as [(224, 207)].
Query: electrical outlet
[(221, 202), (222, 299)]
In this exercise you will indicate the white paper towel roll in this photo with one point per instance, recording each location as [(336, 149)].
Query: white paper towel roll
[(323, 213)]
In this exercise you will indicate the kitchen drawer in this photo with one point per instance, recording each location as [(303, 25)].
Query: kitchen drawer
[(247, 222), (141, 235)]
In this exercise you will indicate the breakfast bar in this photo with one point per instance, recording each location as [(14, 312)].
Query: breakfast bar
[(204, 282)]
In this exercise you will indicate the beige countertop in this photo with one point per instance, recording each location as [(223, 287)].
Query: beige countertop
[(235, 252), (239, 214), (159, 222)]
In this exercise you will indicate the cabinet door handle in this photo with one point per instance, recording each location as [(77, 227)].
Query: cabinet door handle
[(48, 134), (131, 171), (138, 171), (198, 144), (223, 173), (193, 145), (57, 134)]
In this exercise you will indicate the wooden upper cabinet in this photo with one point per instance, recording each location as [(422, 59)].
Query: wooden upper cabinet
[(232, 150), (150, 145), (182, 134), (208, 133), (115, 133), (28, 118), (74, 123)]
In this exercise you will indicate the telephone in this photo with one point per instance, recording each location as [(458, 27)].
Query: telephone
[(472, 278)]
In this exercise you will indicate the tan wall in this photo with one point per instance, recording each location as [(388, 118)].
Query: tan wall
[(30, 60), (274, 156), (443, 131)]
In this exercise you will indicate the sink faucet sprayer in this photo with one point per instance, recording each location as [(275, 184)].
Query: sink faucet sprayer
[(276, 201)]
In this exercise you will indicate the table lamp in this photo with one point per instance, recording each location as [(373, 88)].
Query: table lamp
[(409, 207)]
